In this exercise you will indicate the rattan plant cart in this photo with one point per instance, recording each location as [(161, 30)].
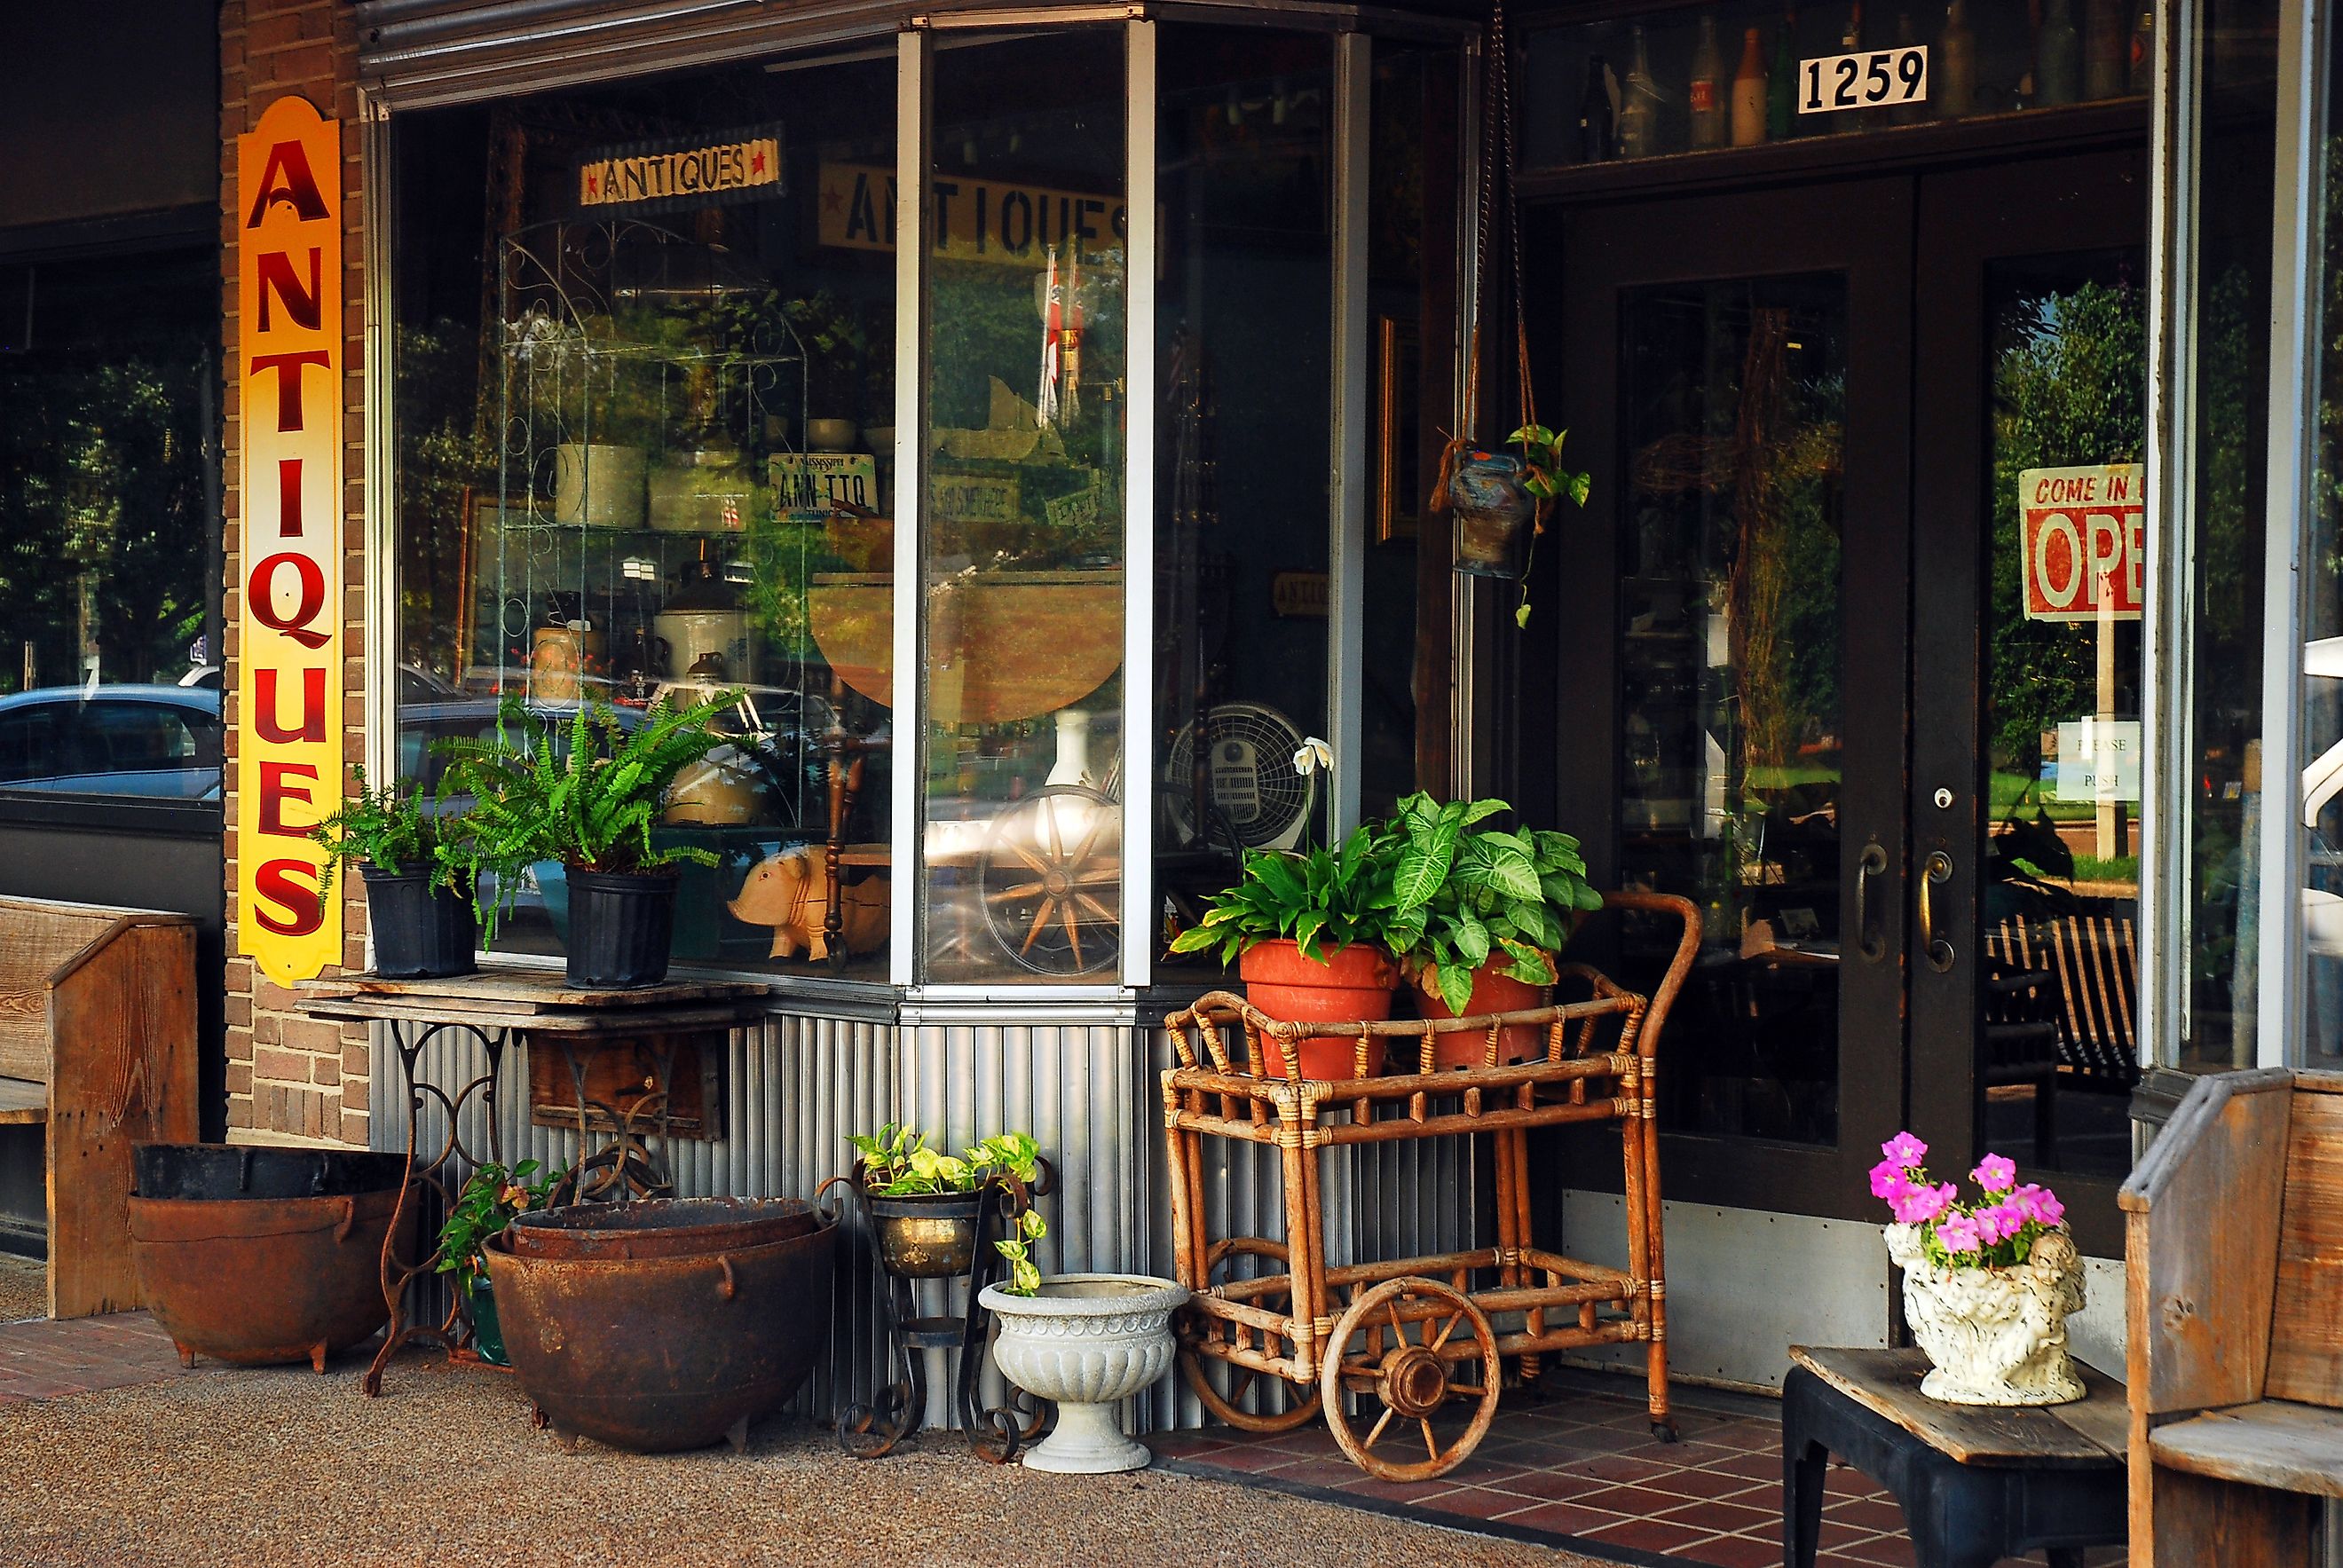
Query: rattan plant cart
[(1408, 1335)]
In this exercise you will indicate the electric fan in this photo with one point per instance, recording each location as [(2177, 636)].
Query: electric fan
[(1249, 768)]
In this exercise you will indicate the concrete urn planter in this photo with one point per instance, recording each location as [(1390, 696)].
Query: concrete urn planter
[(1997, 1336), (1087, 1342)]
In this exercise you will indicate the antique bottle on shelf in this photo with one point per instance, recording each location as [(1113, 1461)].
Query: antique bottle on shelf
[(1955, 67), (2141, 75), (2105, 45), (1914, 112), (1596, 143), (1782, 82), (2057, 56), (1639, 110), (1749, 93), (1707, 90)]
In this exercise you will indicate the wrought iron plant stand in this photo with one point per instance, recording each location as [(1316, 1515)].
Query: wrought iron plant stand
[(921, 1240), (1402, 1337)]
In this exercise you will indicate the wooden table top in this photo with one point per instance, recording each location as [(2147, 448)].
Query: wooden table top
[(540, 1000), (2088, 1434)]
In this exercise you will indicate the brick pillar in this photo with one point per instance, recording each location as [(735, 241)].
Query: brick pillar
[(289, 1075)]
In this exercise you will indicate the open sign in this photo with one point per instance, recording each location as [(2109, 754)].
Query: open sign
[(2084, 536)]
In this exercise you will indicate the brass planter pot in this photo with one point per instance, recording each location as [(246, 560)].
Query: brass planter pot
[(926, 1235)]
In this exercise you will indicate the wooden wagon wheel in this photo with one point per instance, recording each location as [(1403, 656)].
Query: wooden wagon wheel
[(1197, 1366), (1410, 1377), (1051, 876)]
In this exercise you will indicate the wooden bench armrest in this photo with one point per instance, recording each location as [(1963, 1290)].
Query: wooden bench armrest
[(2201, 1236), (23, 1102)]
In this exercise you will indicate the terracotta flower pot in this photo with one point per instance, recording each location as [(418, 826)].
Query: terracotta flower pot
[(1352, 986), (1494, 990)]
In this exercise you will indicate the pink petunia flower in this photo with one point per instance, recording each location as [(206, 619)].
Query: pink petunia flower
[(1923, 1202), (2047, 1211), (1905, 1149), (1959, 1235), (1888, 1179), (1996, 1173)]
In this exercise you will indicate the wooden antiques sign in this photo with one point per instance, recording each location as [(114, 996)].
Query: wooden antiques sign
[(976, 220), (2084, 531), (289, 678), (682, 172)]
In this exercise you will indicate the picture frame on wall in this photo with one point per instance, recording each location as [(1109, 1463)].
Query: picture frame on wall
[(1395, 481)]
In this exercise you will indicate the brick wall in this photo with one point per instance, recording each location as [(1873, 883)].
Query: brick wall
[(286, 1074)]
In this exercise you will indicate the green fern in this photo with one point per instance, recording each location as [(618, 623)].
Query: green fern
[(388, 829), (586, 794)]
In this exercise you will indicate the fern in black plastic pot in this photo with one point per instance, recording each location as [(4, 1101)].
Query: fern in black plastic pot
[(585, 791)]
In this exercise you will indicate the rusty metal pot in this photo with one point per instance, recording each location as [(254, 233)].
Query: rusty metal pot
[(233, 1268), (655, 1354), (676, 1228), (926, 1235)]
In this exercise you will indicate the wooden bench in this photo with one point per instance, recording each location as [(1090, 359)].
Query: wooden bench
[(97, 1054), (2234, 1260)]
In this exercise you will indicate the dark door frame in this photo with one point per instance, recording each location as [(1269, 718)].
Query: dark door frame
[(1783, 233), (1923, 236), (1967, 219)]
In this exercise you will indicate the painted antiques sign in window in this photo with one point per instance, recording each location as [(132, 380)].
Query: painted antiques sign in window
[(289, 715)]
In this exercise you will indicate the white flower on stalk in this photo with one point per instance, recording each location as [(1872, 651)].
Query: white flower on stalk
[(1315, 756)]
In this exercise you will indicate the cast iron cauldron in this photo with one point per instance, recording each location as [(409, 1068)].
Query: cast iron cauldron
[(675, 1228), (258, 1256), (657, 1353)]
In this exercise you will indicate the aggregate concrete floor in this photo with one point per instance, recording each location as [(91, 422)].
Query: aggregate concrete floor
[(23, 1288), (281, 1466)]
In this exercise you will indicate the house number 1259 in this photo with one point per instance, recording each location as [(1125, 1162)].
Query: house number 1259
[(1864, 80)]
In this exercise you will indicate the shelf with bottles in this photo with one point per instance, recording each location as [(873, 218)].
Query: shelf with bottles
[(1698, 79)]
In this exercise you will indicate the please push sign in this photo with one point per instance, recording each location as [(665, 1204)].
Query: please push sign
[(2084, 533), (289, 622)]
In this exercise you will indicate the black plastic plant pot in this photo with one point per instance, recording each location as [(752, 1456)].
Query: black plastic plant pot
[(420, 931), (620, 929)]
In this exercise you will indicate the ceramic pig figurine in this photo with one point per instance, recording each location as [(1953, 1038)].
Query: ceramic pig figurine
[(789, 891)]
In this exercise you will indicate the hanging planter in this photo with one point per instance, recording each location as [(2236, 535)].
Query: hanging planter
[(1491, 513)]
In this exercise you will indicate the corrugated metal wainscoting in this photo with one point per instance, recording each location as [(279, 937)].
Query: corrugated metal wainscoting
[(1090, 1092)]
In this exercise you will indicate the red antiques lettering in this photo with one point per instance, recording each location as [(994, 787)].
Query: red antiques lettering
[(289, 381), (265, 722), (287, 178), (304, 907), (277, 277), (260, 600)]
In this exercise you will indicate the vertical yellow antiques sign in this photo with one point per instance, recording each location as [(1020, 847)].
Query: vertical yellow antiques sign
[(289, 627)]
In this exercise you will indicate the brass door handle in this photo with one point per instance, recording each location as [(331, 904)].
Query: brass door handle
[(1873, 862), (1937, 869)]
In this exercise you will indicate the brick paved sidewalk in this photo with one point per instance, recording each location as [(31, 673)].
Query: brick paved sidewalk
[(40, 1359)]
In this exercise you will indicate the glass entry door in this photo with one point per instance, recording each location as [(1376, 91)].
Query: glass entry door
[(1737, 384), (1855, 604)]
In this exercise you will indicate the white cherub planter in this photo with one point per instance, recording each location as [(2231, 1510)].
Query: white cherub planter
[(1997, 1336)]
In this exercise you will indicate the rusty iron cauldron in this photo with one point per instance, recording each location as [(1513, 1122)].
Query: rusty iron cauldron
[(259, 1256), (677, 1228), (655, 1354)]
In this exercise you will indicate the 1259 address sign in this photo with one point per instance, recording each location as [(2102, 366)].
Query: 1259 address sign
[(1864, 80)]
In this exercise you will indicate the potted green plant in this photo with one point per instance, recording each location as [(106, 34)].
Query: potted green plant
[(418, 876), (586, 797), (1479, 914), (1493, 494), (1306, 931), (925, 1205), (490, 1198)]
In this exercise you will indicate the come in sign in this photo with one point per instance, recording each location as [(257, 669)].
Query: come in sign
[(2084, 533)]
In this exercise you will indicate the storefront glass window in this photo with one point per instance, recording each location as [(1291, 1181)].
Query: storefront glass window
[(1021, 544), (1244, 349), (644, 393), (2236, 45), (1755, 72), (2321, 756), (110, 670)]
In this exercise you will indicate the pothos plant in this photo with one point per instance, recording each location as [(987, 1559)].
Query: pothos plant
[(586, 794), (491, 1197), (1464, 894), (1547, 481), (898, 1163), (388, 829)]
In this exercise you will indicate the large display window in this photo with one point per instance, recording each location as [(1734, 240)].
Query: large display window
[(674, 412)]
